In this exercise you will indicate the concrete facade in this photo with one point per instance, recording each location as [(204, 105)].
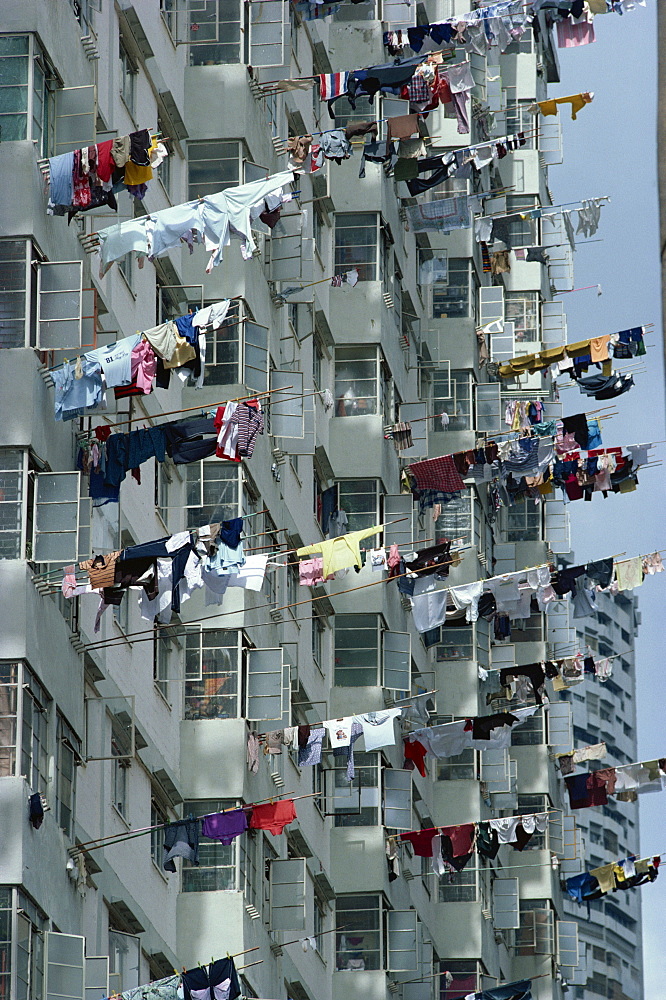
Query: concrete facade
[(119, 730)]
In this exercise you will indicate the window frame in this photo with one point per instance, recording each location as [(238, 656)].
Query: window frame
[(443, 304), (207, 511), (350, 355), (191, 875), (531, 300), (20, 532), (195, 643), (460, 382), (368, 270), (66, 743), (43, 133), (359, 519), (127, 78), (374, 623), (200, 188), (377, 905)]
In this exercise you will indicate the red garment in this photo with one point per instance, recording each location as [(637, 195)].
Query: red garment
[(273, 816), (573, 488), (105, 164), (421, 841), (218, 423), (462, 838), (415, 752), (609, 776), (596, 787), (443, 90), (103, 432), (82, 195), (437, 474)]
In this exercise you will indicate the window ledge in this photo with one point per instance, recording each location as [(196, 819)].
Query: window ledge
[(159, 871), (163, 697)]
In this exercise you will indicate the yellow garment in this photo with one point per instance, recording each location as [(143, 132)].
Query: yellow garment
[(339, 553), (577, 102), (618, 871), (605, 877), (184, 352), (598, 6), (607, 367), (579, 348), (134, 174)]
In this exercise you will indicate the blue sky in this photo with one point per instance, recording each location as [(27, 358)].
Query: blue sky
[(611, 150)]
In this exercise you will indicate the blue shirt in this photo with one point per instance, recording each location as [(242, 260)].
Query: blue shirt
[(73, 396)]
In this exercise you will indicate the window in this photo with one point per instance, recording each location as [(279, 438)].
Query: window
[(459, 768), (523, 232), (212, 661), (319, 366), (346, 795), (356, 650), (16, 277), (452, 394), (356, 243), (67, 749), (365, 10), (215, 35), (212, 166), (5, 941), (456, 522), (359, 499), (355, 381), (535, 934), (158, 818), (8, 712), (318, 630), (465, 974), (34, 735), (529, 733), (237, 352), (124, 960), (251, 867), (12, 497), (162, 648), (463, 888), (522, 521), (26, 92), (168, 12), (128, 75), (522, 309), (452, 299), (456, 644), (522, 44), (359, 945), (533, 804), (126, 268), (211, 490), (520, 119), (217, 861), (120, 780)]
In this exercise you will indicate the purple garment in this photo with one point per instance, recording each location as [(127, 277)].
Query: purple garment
[(225, 826), (311, 752)]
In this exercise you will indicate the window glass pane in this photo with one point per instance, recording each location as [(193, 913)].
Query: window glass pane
[(359, 945), (212, 167), (356, 650), (217, 862), (456, 644), (219, 488), (461, 890), (11, 502), (356, 243), (458, 405), (523, 521), (5, 941), (452, 298), (12, 287), (8, 705), (524, 232), (358, 498), (215, 32), (355, 381), (522, 309), (211, 671), (346, 794)]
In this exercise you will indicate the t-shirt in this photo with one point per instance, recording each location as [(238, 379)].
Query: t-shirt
[(378, 728), (116, 360), (339, 731)]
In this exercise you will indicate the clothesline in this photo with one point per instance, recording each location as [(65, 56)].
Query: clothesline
[(284, 607), (537, 213), (622, 767), (118, 838), (471, 822)]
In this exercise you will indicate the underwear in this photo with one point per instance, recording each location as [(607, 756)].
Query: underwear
[(273, 817), (224, 827)]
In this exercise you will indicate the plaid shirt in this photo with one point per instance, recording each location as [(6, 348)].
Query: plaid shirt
[(437, 474), (418, 90)]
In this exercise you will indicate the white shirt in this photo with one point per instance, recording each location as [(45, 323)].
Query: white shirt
[(378, 728)]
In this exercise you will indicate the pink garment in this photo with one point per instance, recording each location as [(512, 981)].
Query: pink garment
[(570, 34), (565, 442), (602, 481), (310, 572), (144, 366)]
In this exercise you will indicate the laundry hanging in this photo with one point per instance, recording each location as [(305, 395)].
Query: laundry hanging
[(216, 219)]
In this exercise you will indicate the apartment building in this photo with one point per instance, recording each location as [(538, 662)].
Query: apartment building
[(606, 712), (130, 728)]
